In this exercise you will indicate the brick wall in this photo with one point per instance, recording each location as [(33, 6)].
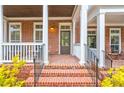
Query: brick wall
[(27, 34), (77, 30), (107, 37)]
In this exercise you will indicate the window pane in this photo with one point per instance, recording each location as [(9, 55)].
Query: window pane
[(38, 32), (15, 32), (91, 32), (63, 27), (15, 26), (114, 39), (92, 39), (17, 35), (114, 31), (115, 48), (67, 27), (12, 35), (38, 26), (40, 35), (37, 35)]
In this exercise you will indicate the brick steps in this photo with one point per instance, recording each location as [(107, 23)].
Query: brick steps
[(63, 72), (62, 81), (62, 75)]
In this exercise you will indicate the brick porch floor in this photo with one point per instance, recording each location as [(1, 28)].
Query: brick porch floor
[(63, 59)]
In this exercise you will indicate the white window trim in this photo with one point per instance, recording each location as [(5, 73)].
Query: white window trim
[(34, 30), (15, 23), (119, 37), (71, 43)]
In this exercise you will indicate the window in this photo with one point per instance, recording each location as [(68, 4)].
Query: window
[(92, 39), (14, 32), (115, 38), (38, 29)]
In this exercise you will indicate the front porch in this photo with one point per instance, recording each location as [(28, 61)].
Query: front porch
[(47, 31), (54, 33)]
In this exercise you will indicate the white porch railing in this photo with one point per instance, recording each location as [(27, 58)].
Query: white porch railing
[(24, 50)]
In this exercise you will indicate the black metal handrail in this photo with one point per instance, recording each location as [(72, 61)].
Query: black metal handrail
[(38, 62), (92, 64), (108, 60)]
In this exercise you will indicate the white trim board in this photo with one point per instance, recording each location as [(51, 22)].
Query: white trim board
[(37, 18), (107, 25)]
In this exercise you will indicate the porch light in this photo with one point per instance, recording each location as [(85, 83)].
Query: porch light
[(52, 28)]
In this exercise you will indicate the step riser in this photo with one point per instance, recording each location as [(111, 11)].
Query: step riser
[(62, 67), (64, 75), (61, 85)]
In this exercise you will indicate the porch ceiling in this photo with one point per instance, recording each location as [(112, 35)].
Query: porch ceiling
[(36, 10), (111, 18)]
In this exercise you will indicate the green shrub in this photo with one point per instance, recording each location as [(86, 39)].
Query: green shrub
[(8, 74), (115, 78)]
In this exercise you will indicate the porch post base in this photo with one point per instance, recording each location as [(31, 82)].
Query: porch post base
[(1, 62), (81, 62), (46, 62)]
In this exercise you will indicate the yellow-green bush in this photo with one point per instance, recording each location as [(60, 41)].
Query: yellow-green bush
[(115, 78), (8, 74)]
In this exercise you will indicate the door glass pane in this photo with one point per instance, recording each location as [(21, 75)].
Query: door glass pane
[(65, 39)]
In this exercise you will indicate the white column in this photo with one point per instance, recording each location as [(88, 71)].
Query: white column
[(1, 32), (83, 32), (45, 32), (101, 38), (5, 30), (73, 43)]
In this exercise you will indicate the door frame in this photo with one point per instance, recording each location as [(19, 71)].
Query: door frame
[(65, 23)]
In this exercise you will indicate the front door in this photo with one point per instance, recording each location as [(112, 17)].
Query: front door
[(65, 42)]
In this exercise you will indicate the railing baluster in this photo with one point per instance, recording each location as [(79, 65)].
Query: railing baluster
[(3, 56), (20, 51), (92, 65), (7, 53)]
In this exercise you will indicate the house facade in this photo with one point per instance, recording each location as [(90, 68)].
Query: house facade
[(61, 30)]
